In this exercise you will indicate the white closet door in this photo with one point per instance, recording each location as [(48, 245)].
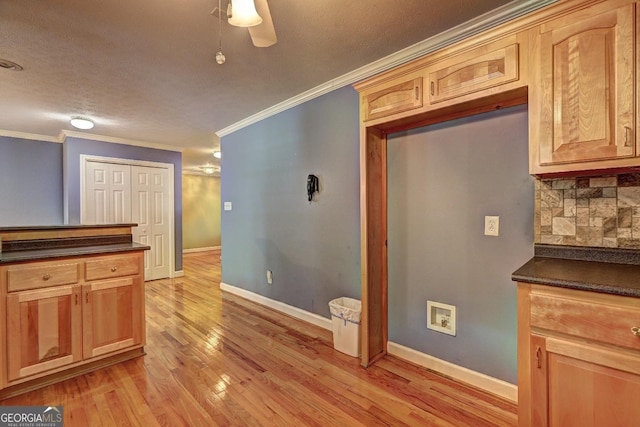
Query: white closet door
[(151, 206), (107, 193), (120, 194)]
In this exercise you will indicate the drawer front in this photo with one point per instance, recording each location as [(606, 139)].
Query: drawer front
[(112, 266), (400, 97), (605, 322), (42, 275), (466, 76)]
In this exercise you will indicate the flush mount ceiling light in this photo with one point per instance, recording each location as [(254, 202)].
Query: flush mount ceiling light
[(9, 65), (244, 14), (217, 154), (81, 123), (209, 169)]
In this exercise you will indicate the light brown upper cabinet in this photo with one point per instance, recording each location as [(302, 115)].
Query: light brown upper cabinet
[(399, 95), (474, 71), (584, 111)]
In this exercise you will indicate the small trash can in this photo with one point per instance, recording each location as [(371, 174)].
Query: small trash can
[(345, 319)]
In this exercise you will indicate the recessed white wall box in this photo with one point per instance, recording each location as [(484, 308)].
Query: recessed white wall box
[(228, 206), (269, 277), (491, 225), (441, 317)]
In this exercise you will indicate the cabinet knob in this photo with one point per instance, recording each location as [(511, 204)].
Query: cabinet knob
[(113, 269), (635, 331), (46, 277)]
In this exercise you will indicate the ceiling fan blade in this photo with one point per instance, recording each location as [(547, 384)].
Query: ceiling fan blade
[(264, 34)]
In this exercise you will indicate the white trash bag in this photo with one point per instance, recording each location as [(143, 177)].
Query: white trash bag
[(345, 320)]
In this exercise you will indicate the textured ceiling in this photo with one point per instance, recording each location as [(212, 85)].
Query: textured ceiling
[(145, 70)]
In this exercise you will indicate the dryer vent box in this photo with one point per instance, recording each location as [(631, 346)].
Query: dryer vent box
[(441, 317)]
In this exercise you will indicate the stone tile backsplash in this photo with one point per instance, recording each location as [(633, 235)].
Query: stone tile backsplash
[(601, 211)]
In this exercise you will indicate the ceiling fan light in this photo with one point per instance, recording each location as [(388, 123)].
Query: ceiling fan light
[(81, 123), (217, 154), (244, 14)]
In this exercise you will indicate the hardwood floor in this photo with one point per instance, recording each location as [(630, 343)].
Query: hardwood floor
[(217, 359)]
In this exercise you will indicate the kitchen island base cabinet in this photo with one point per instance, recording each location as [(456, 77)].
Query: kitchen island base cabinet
[(60, 323), (579, 358)]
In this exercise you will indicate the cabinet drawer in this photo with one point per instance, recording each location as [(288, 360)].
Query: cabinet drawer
[(473, 72), (41, 275), (397, 98), (112, 266), (606, 321)]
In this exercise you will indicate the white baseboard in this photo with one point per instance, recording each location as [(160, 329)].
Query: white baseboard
[(484, 382), (292, 311), (492, 385), (178, 273), (206, 249)]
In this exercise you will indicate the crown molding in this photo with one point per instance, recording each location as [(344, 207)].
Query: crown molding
[(29, 136), (102, 138), (114, 140), (508, 12)]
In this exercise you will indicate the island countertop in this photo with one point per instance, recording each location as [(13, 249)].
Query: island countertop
[(44, 254), (33, 243), (611, 271)]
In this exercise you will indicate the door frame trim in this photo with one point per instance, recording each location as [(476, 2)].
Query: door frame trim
[(85, 158)]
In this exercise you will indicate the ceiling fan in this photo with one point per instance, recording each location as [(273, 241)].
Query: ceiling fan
[(260, 24)]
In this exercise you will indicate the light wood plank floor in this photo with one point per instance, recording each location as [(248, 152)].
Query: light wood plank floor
[(217, 359)]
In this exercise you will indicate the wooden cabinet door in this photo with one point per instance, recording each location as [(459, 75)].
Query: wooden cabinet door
[(479, 69), (395, 98), (587, 87), (44, 330), (579, 384), (113, 315)]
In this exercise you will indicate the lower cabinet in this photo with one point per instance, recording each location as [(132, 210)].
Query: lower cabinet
[(579, 358), (44, 330), (111, 316), (578, 385), (51, 327)]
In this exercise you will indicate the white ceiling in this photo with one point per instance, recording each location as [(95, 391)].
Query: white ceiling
[(145, 70)]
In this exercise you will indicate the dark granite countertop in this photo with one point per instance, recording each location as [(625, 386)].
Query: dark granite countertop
[(44, 254), (611, 271), (64, 227)]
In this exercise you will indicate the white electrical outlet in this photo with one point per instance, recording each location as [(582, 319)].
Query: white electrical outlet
[(269, 277), (491, 225), (228, 206)]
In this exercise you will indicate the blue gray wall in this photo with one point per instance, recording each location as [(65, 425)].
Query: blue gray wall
[(74, 147), (30, 182), (443, 180), (312, 249)]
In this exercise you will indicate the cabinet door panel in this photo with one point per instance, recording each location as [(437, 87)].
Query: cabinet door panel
[(588, 89), (473, 72), (585, 394), (112, 316), (396, 98), (43, 330), (539, 377)]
